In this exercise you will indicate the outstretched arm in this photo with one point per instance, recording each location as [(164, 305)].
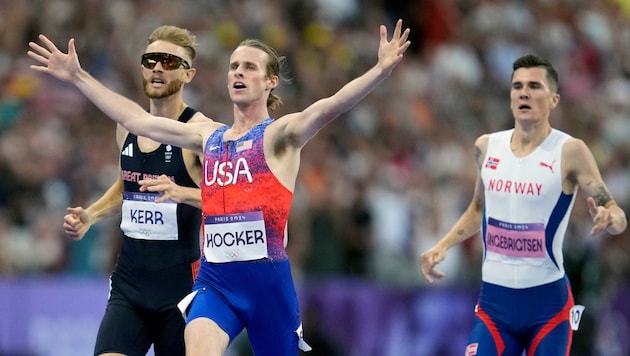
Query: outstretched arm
[(320, 113), (122, 110)]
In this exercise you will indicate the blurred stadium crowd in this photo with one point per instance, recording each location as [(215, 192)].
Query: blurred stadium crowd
[(379, 185)]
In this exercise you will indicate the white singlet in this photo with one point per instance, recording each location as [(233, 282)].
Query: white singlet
[(526, 212)]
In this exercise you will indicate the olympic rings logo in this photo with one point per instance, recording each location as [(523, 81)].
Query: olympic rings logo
[(232, 254)]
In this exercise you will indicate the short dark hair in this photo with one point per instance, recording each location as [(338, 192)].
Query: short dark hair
[(533, 61)]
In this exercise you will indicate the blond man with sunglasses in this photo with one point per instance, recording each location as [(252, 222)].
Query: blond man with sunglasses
[(159, 257)]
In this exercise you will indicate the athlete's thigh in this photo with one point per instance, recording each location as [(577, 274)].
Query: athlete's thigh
[(275, 303), (552, 338), (169, 333), (208, 303), (488, 338), (122, 330)]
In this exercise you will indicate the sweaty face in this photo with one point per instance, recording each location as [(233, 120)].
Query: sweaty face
[(531, 94)]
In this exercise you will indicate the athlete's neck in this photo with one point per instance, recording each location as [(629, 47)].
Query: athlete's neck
[(170, 107)]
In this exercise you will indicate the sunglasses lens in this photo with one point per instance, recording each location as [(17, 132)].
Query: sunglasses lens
[(169, 61), (148, 63)]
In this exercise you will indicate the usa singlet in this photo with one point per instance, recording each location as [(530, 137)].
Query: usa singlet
[(245, 276), (525, 300), (158, 260)]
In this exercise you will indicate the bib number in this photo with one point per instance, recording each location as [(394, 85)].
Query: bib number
[(235, 237)]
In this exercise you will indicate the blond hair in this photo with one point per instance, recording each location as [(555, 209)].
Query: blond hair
[(176, 35)]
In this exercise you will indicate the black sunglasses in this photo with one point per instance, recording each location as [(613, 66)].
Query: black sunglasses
[(169, 61)]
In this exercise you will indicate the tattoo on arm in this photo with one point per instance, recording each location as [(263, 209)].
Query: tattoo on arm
[(602, 196), (460, 232)]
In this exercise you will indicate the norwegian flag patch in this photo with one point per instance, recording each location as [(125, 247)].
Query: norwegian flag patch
[(492, 163)]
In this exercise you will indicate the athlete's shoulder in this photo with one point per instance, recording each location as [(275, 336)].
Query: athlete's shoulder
[(574, 147), (482, 141), (200, 117)]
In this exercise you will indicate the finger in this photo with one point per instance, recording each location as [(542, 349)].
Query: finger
[(405, 35), (73, 235), (75, 211), (155, 187), (427, 277), (592, 206), (71, 231), (71, 48), (403, 48), (437, 274), (48, 43), (397, 29), (426, 266), (383, 32), (426, 272), (37, 57), (152, 182), (39, 49), (597, 229)]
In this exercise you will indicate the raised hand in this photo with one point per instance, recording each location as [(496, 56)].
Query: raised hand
[(54, 62), (390, 53)]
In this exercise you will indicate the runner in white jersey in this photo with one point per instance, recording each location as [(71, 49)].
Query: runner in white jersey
[(527, 212), (526, 185)]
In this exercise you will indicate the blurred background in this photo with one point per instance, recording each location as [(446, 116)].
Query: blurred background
[(377, 187)]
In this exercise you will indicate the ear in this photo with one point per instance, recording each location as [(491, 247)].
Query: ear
[(189, 75), (555, 100), (272, 82)]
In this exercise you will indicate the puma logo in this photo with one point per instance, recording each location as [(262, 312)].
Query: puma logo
[(547, 165)]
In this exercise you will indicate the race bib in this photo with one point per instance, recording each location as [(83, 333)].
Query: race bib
[(576, 315), (144, 219), (235, 237), (515, 240)]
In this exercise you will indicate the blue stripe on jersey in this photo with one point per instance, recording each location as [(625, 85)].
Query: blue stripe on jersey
[(484, 223), (557, 214)]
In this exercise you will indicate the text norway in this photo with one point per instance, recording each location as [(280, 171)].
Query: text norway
[(239, 238), (149, 217)]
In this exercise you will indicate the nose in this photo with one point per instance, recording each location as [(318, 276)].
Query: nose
[(238, 72), (523, 94), (161, 68)]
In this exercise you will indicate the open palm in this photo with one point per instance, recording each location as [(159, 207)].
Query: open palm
[(61, 65)]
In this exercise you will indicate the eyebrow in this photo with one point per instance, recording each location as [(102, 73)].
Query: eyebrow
[(528, 82), (244, 63)]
